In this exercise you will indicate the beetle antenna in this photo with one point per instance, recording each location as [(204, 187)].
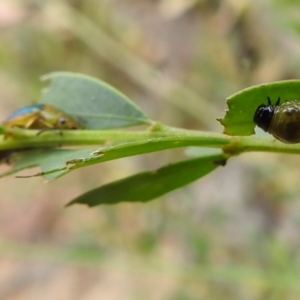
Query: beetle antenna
[(278, 102), (269, 101)]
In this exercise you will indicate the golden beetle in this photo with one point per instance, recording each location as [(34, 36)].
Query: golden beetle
[(40, 116), (37, 116)]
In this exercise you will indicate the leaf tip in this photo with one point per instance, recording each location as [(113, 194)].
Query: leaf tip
[(76, 202)]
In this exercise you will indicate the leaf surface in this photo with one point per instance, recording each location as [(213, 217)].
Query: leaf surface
[(147, 186), (94, 103)]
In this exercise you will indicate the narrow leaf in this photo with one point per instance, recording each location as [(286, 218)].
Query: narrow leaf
[(147, 186), (57, 162)]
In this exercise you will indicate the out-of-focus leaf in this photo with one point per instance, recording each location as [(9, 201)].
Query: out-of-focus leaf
[(48, 159), (238, 119), (147, 186), (92, 102)]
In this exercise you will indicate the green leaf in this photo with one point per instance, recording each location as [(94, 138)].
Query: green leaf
[(94, 103), (238, 119), (147, 186), (57, 162)]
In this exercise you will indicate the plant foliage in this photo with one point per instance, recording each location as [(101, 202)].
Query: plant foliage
[(100, 109)]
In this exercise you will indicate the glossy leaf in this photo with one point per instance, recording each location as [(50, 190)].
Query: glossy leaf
[(94, 103), (147, 186), (238, 119)]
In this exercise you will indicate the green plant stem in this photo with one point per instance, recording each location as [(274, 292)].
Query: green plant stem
[(231, 145), (20, 138)]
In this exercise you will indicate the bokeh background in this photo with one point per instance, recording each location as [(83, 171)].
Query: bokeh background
[(235, 234)]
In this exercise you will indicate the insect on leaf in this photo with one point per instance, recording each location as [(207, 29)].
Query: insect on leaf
[(238, 119)]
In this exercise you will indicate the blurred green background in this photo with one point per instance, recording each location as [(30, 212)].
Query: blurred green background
[(233, 234)]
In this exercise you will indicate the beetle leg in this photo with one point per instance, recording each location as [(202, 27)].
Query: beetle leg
[(278, 102), (33, 119), (49, 129), (269, 101), (48, 126)]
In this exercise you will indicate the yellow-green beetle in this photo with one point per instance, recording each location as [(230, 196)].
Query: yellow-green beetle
[(282, 121), (40, 116), (37, 116)]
